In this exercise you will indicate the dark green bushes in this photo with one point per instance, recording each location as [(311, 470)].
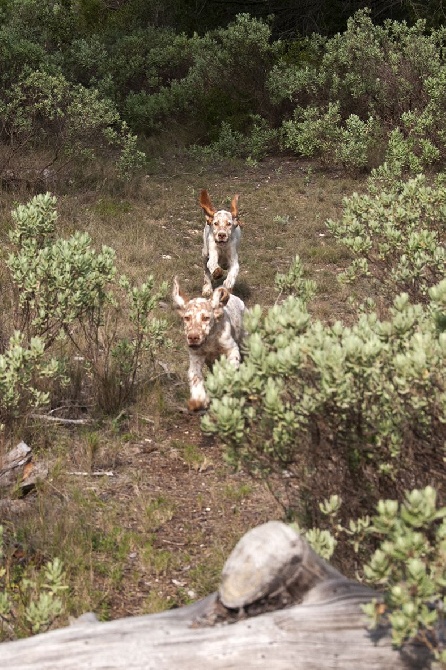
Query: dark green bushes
[(368, 94)]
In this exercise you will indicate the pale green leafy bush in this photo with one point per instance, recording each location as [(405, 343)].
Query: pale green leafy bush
[(404, 546), (318, 132), (66, 292), (293, 282), (31, 600), (306, 390), (22, 365), (57, 281), (396, 236), (410, 566)]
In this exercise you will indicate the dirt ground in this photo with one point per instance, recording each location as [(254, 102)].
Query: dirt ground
[(201, 509)]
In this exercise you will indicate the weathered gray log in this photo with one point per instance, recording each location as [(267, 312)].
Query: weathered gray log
[(290, 610)]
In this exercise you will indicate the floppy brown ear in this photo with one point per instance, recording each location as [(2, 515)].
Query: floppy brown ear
[(206, 205), (234, 206), (179, 298)]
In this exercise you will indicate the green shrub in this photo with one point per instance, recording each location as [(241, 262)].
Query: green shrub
[(22, 366), (57, 282), (410, 567), (30, 600), (404, 546), (318, 132), (306, 390), (224, 81), (396, 235), (66, 291), (33, 37), (293, 282), (253, 144)]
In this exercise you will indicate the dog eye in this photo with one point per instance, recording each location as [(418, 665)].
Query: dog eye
[(205, 317), (187, 317)]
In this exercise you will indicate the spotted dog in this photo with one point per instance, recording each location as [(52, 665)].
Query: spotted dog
[(214, 328), (221, 238)]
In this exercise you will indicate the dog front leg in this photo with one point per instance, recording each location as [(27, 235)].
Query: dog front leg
[(232, 275), (213, 263), (233, 355), (207, 281), (198, 397)]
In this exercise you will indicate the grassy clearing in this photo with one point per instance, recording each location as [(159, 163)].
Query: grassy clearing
[(156, 530)]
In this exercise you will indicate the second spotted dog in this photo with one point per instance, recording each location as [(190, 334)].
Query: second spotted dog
[(213, 328)]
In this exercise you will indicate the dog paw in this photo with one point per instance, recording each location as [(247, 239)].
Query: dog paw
[(194, 405), (218, 272), (207, 291)]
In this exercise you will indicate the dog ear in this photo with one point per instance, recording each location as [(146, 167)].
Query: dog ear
[(220, 297), (206, 205), (179, 298), (234, 206)]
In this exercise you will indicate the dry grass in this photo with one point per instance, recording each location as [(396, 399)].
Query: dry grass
[(156, 532)]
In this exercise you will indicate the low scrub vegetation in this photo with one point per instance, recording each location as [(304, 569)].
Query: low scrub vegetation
[(408, 562), (69, 299), (30, 601), (367, 393), (350, 400), (396, 235)]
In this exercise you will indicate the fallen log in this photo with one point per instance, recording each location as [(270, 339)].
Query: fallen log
[(279, 606)]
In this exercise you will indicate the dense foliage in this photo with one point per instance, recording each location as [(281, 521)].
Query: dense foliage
[(371, 93), (80, 81), (369, 394)]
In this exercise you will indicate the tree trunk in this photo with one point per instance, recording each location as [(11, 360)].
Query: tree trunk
[(289, 609)]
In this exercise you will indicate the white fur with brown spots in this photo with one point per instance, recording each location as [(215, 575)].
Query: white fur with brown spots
[(213, 328), (221, 238)]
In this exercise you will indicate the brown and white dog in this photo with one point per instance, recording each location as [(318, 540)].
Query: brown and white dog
[(214, 328), (221, 238)]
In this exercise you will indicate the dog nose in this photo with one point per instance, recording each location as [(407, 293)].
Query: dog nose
[(193, 338), (221, 236)]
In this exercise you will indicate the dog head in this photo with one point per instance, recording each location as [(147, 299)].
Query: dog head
[(222, 222), (199, 314)]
